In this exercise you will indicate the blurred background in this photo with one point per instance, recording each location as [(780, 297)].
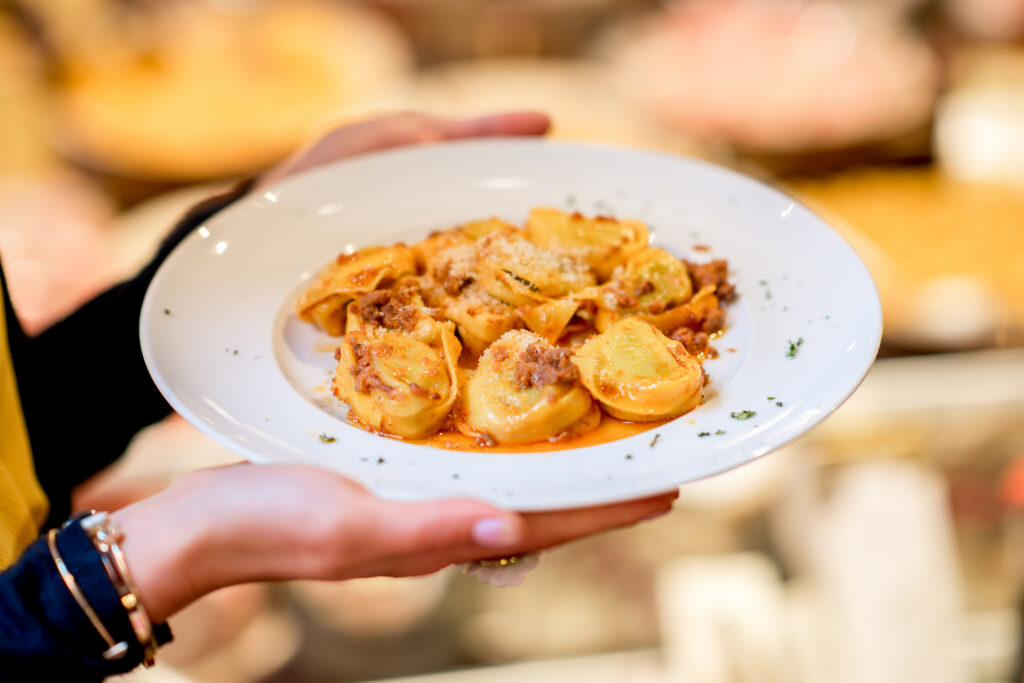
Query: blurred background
[(888, 545)]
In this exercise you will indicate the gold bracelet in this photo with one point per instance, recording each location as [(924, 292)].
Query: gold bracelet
[(114, 650), (105, 538)]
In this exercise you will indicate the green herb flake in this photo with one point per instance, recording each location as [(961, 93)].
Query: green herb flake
[(655, 440), (523, 281), (326, 438), (793, 346), (235, 352), (167, 311), (719, 432), (703, 434), (778, 403), (629, 456), (743, 414), (771, 398), (380, 461), (763, 283)]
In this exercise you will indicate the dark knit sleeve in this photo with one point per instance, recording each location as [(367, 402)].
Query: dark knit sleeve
[(44, 634), (85, 390)]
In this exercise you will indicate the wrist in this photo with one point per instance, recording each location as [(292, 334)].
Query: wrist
[(164, 544)]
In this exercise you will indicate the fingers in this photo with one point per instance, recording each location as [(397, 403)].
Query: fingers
[(547, 529), (413, 539), (396, 130), (508, 123), (406, 529)]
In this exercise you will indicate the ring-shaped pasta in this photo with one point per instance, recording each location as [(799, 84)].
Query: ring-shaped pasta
[(525, 389), (604, 242), (700, 307), (639, 374), (428, 250), (549, 319), (399, 383), (519, 273), (651, 283), (325, 302), (480, 318)]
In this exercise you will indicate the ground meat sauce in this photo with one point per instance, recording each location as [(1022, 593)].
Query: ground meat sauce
[(389, 308), (539, 366), (696, 333), (419, 391), (696, 343), (712, 273), (366, 378), (453, 284), (623, 299)]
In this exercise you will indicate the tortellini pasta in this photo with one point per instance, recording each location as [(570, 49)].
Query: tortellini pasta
[(525, 389), (397, 365), (639, 374), (651, 284), (451, 286), (604, 242), (428, 250), (519, 335), (324, 303), (520, 273)]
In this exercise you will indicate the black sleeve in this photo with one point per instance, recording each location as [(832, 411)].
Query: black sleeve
[(44, 634), (85, 390)]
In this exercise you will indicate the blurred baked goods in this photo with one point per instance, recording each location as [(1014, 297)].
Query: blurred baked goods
[(778, 76), (22, 103), (988, 19), (948, 256), (577, 95), (186, 91), (491, 28), (979, 127)]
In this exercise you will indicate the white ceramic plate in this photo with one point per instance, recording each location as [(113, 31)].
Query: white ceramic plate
[(224, 346)]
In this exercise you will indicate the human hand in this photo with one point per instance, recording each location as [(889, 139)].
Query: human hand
[(243, 523), (396, 130)]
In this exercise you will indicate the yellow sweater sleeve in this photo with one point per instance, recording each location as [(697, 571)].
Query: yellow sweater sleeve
[(23, 505)]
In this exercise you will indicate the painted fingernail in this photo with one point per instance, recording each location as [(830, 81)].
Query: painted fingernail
[(494, 533)]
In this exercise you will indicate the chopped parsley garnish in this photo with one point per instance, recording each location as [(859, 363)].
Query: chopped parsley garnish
[(167, 311), (523, 281), (326, 438), (771, 398), (719, 432), (743, 414), (793, 346), (778, 403), (655, 440), (702, 434), (629, 456), (380, 461)]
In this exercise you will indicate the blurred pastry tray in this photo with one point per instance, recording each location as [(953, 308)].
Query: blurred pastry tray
[(947, 255)]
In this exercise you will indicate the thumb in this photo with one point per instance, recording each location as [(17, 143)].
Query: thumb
[(454, 523)]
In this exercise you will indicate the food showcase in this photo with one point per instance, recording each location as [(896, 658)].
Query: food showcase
[(883, 544)]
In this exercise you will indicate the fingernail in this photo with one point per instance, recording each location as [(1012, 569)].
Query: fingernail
[(494, 533)]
